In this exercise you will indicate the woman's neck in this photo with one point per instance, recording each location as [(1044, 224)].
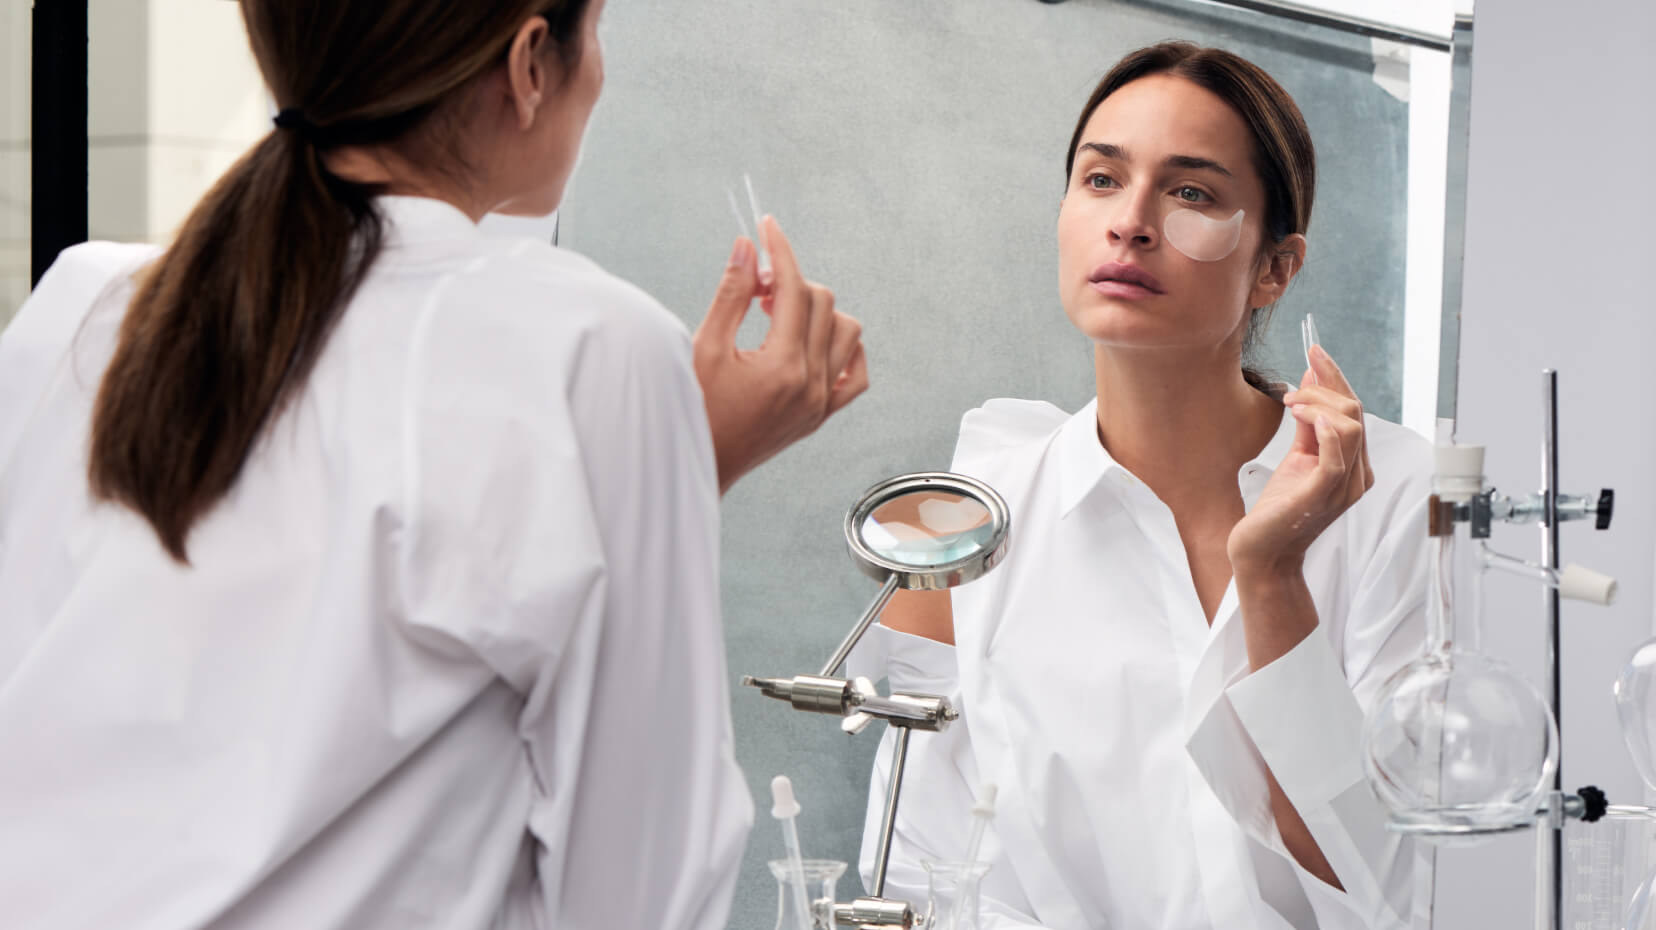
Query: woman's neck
[(1182, 422), (383, 167)]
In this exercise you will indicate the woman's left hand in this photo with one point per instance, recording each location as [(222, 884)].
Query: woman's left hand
[(1323, 474)]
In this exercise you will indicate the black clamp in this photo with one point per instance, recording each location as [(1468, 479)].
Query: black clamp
[(1593, 803), (1606, 506)]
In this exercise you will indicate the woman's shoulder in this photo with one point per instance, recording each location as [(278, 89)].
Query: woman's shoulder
[(1402, 462), (82, 272), (99, 260), (1398, 454), (562, 287), (1003, 423), (1004, 431), (524, 312), (79, 279)]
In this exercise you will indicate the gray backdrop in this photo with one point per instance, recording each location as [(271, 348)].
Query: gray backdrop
[(913, 150)]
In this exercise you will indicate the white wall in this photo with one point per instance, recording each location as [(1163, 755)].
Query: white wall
[(1561, 228), (173, 99)]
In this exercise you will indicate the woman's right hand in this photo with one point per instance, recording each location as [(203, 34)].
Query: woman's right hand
[(810, 365)]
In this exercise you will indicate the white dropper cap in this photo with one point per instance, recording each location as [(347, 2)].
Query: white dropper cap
[(1459, 474), (783, 804), (985, 805), (1584, 584)]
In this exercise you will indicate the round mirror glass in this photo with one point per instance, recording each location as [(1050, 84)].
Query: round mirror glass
[(928, 530), (925, 527)]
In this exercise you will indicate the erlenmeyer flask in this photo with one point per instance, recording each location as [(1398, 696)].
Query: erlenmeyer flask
[(1457, 744)]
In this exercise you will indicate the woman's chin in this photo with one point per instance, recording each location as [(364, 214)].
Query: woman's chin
[(1109, 322)]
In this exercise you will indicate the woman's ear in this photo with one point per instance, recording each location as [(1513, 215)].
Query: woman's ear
[(527, 80), (1282, 263)]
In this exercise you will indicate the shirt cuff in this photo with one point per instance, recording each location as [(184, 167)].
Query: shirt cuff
[(1307, 725)]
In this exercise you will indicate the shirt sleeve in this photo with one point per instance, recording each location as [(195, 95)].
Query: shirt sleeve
[(1304, 712), (939, 780), (565, 531)]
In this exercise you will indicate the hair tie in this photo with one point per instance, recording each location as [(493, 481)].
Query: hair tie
[(294, 118)]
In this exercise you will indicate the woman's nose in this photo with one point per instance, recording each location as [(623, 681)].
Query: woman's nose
[(1134, 221)]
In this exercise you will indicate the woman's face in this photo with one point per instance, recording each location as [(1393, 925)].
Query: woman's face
[(1152, 252)]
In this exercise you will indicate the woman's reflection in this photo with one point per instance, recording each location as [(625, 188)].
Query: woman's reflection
[(1213, 574), (928, 528)]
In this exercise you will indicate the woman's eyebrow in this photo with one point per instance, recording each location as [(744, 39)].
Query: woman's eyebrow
[(1188, 162), (1194, 163)]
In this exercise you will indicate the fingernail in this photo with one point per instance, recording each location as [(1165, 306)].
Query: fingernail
[(1299, 408), (738, 254)]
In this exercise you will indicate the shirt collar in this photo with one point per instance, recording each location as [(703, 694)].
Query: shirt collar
[(423, 219), (1083, 461)]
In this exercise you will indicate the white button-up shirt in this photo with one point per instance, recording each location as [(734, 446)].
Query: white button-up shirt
[(1127, 738), (448, 655)]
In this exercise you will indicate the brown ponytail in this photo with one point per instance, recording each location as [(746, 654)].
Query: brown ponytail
[(226, 326)]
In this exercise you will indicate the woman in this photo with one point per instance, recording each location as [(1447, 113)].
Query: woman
[(357, 570), (1210, 575)]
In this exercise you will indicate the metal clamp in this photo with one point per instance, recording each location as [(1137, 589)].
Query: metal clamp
[(841, 698), (1489, 507), (880, 912)]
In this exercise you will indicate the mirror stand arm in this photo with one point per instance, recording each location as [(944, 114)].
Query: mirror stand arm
[(831, 670), (888, 824)]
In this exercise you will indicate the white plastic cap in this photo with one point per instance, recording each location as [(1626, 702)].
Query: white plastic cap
[(985, 806), (783, 804), (1584, 584), (1459, 475)]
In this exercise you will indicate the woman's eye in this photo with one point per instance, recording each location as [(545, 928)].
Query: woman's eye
[(1099, 182), (1191, 195)]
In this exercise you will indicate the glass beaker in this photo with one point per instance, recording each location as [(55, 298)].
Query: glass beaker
[(1457, 744), (952, 894), (1608, 868), (820, 876)]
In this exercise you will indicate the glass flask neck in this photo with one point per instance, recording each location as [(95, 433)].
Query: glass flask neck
[(1441, 625), (1440, 603)]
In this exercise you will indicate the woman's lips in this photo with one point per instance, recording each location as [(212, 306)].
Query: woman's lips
[(1119, 279), (1124, 289)]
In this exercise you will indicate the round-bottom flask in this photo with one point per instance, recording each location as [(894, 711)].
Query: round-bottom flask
[(1458, 744), (1636, 706)]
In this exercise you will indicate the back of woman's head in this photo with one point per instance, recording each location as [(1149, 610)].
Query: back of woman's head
[(227, 324)]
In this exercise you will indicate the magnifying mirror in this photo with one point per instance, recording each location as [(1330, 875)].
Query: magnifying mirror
[(930, 531), (926, 531)]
